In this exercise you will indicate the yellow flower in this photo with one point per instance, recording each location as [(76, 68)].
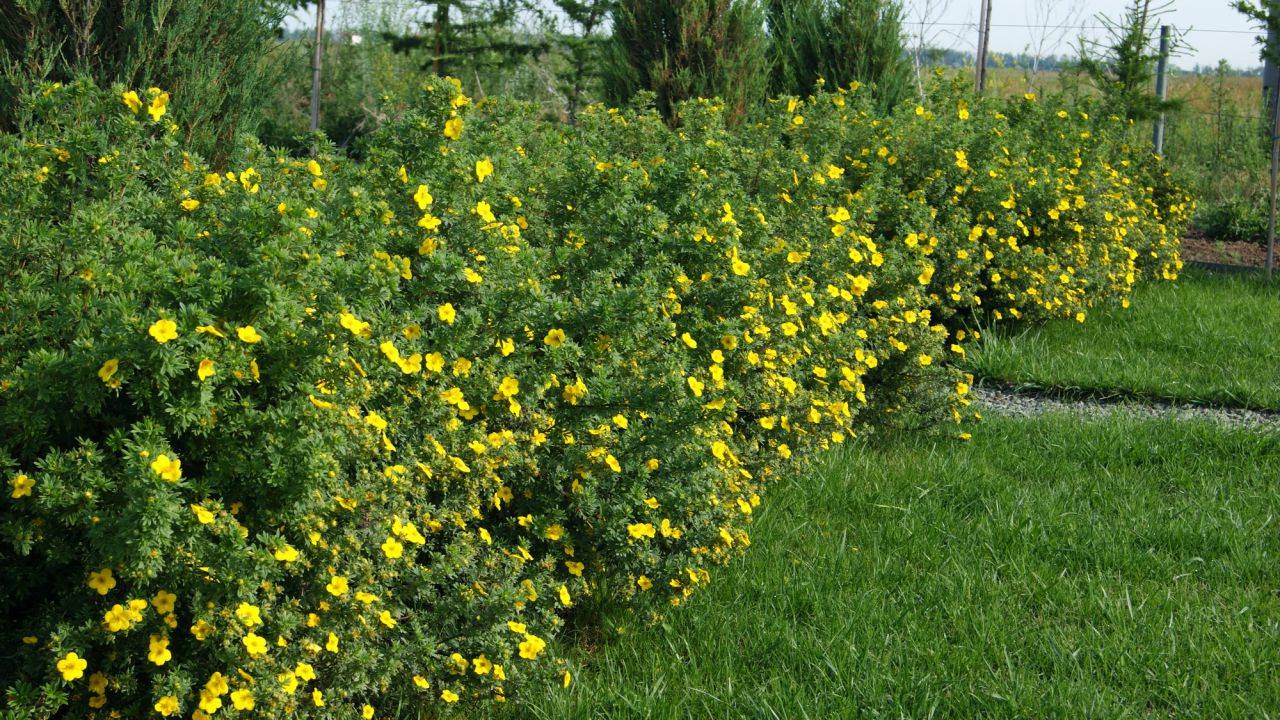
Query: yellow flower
[(163, 602), (449, 696), (248, 614), (159, 103), (423, 197), (131, 100), (641, 530), (447, 313), (190, 204), (201, 630), (72, 666), (248, 334), (337, 586), (167, 706), (242, 699), (357, 327), (202, 515), (158, 650), (392, 548), (167, 468), (644, 583), (255, 644), (331, 644), (22, 485), (555, 337), (102, 581), (205, 371), (453, 128), (317, 698), (107, 373), (163, 330), (532, 646), (739, 267), (484, 168)]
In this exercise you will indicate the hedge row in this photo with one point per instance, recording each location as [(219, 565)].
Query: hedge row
[(324, 438)]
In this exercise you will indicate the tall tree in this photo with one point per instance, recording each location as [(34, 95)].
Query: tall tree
[(582, 45), (841, 42), (458, 34), (682, 49), (1122, 64)]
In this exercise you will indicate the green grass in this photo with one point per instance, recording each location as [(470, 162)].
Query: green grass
[(1048, 568), (1209, 338)]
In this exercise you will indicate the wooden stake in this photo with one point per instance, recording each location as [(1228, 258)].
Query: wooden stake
[(984, 41), (315, 67)]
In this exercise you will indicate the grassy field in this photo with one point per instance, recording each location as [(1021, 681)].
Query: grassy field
[(1048, 568), (1209, 338)]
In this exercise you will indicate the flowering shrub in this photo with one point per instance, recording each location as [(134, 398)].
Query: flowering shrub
[(326, 439)]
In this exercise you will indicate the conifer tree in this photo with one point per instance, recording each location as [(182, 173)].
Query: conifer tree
[(682, 49)]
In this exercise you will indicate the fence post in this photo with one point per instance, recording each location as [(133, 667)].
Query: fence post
[(315, 67), (1271, 90), (1162, 89), (984, 40)]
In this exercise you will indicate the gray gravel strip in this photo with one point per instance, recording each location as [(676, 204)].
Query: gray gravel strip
[(1009, 402)]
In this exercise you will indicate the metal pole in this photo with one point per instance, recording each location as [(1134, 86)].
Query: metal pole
[(315, 67), (1162, 89), (984, 40), (1271, 78), (1275, 170)]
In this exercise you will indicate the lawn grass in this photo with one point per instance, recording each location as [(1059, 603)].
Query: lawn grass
[(1209, 338), (1047, 569)]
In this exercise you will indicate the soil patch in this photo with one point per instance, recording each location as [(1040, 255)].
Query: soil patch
[(1224, 252)]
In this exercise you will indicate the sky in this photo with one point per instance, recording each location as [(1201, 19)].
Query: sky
[(1214, 30)]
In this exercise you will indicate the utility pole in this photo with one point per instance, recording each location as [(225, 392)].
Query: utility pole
[(315, 67), (984, 40), (1162, 89)]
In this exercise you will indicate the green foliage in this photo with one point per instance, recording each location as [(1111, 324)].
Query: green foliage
[(840, 42), (685, 49), (211, 55), (389, 423)]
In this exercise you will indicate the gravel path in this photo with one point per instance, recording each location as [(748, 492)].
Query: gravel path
[(1018, 404)]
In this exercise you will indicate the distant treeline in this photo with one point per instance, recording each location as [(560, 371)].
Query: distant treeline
[(947, 57)]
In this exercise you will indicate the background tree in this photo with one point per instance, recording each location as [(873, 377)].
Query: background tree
[(1122, 65), (210, 55), (582, 46), (839, 41), (470, 34), (681, 49)]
